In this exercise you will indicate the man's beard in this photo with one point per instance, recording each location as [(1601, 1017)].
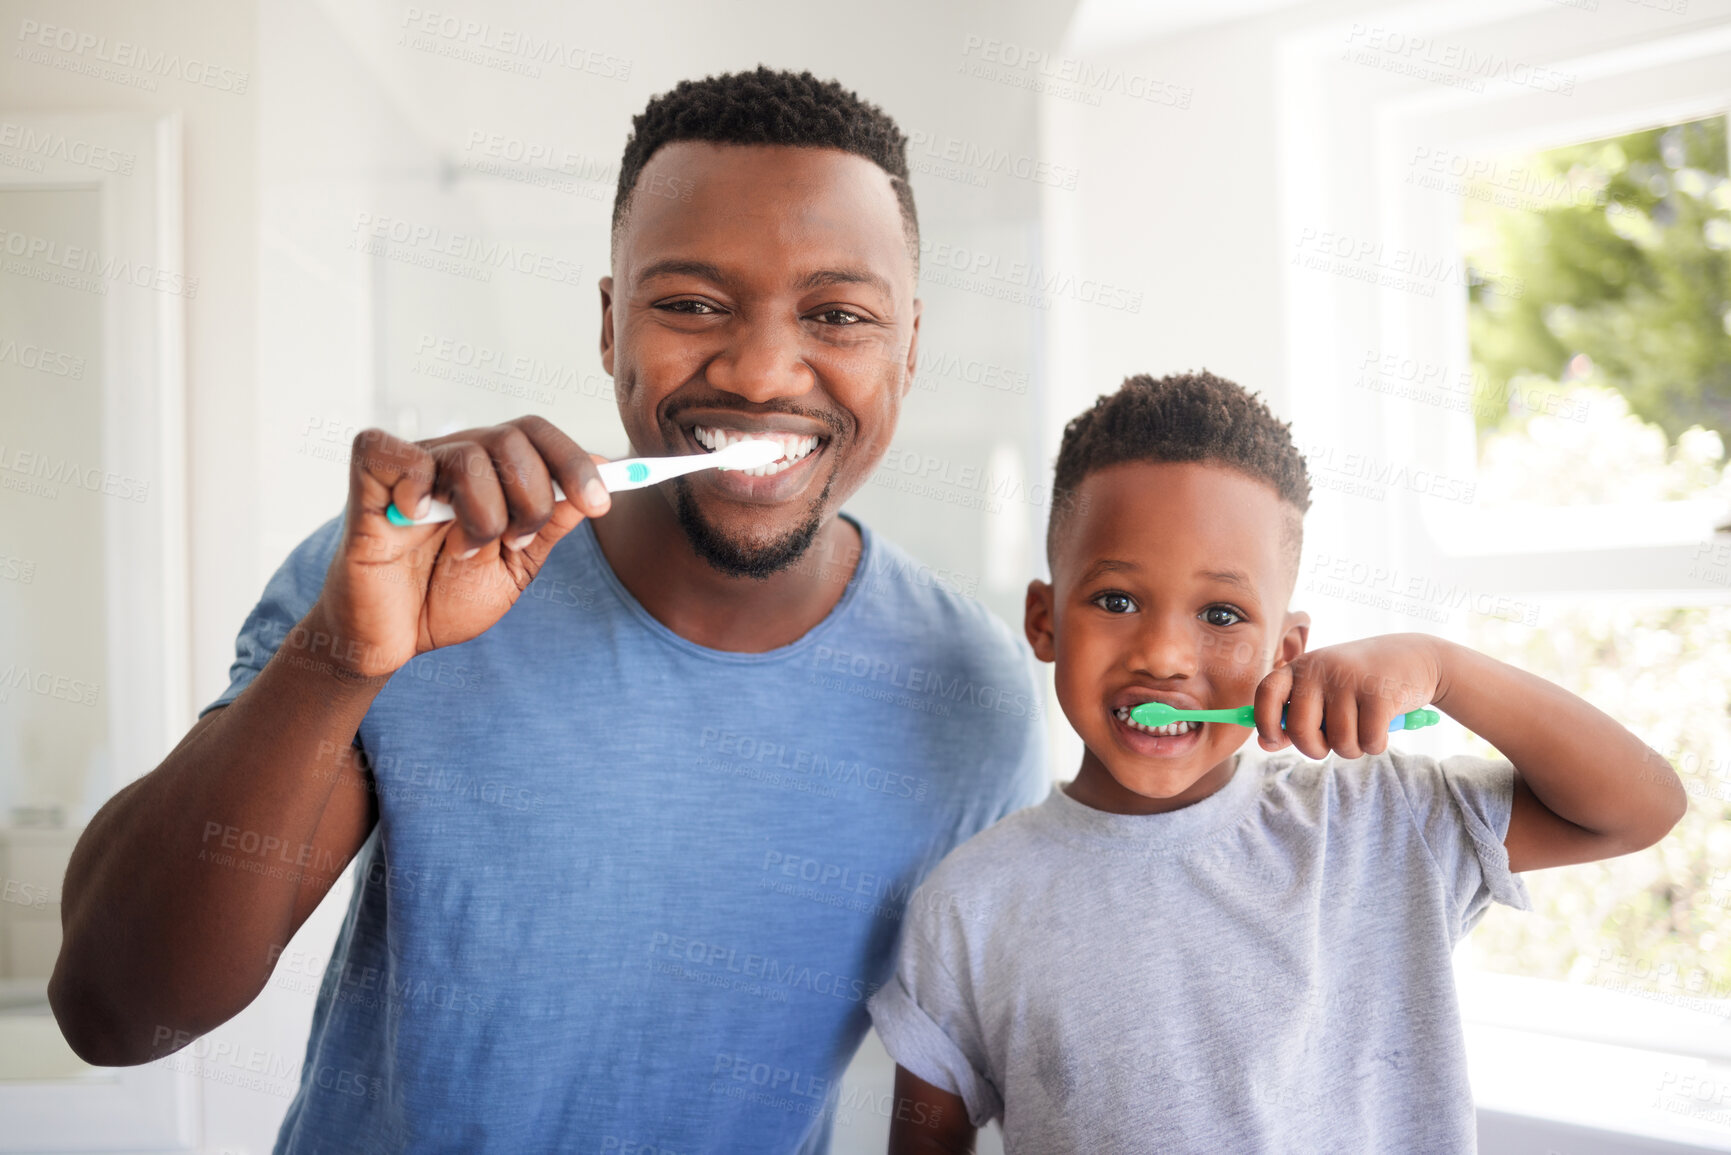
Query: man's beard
[(736, 559)]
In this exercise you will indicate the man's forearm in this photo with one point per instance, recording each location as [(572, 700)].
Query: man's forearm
[(184, 882)]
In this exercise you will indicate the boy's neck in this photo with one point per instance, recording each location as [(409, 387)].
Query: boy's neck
[(1095, 787)]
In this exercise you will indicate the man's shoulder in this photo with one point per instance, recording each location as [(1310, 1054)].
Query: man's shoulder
[(926, 602)]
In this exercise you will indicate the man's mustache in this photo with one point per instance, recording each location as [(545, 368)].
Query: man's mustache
[(725, 403)]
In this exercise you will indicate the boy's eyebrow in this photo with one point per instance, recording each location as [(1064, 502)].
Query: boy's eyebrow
[(1108, 565), (1229, 577)]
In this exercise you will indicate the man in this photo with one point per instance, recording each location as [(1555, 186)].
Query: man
[(638, 786)]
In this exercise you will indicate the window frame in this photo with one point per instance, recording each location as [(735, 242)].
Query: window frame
[(1627, 73)]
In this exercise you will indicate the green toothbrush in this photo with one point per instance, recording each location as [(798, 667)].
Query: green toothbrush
[(1160, 714)]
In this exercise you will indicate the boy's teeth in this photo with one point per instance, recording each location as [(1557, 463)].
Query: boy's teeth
[(794, 446), (1169, 731)]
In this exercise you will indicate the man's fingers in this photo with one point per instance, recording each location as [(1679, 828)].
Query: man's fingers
[(527, 485), (468, 481), (570, 466), (384, 469)]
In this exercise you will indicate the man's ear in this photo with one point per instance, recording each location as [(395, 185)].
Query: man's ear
[(1037, 620), (1293, 641), (913, 349), (606, 285)]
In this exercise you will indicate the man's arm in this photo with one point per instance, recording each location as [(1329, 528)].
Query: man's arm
[(169, 926), (928, 1120), (167, 932)]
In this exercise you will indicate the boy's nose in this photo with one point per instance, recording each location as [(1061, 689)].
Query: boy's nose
[(1167, 649)]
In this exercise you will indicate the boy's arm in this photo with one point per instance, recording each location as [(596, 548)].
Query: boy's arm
[(927, 1120), (1585, 787)]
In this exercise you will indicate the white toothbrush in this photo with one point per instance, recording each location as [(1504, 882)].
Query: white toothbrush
[(634, 473)]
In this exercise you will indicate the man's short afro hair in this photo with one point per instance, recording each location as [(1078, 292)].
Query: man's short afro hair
[(769, 107), (1187, 417)]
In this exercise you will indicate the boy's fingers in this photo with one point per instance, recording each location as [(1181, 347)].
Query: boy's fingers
[(1270, 701), (1304, 715), (1374, 715), (1340, 723)]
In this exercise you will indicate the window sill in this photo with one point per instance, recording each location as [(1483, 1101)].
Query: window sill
[(1609, 1062)]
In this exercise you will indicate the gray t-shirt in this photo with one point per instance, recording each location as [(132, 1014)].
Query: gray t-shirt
[(1265, 970)]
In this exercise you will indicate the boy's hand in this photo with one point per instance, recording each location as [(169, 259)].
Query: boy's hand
[(1342, 698)]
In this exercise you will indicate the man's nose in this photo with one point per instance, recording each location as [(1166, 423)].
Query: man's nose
[(762, 362)]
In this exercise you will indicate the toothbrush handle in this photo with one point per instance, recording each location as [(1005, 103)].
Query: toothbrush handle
[(637, 472), (1411, 720), (627, 473), (617, 476)]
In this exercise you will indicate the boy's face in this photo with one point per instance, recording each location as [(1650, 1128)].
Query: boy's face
[(1169, 584)]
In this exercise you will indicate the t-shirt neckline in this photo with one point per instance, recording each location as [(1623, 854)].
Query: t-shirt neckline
[(586, 536), (1156, 833)]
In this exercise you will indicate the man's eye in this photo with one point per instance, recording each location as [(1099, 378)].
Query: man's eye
[(695, 308), (1114, 603), (1222, 616), (838, 317)]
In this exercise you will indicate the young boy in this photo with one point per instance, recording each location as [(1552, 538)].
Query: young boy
[(1193, 949)]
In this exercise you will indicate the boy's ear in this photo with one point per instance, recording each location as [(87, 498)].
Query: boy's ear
[(1293, 641), (1037, 620)]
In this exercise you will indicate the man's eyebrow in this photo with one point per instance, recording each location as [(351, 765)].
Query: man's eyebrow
[(824, 278), (681, 266)]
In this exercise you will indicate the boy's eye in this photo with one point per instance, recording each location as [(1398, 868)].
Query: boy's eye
[(1116, 603), (1222, 616)]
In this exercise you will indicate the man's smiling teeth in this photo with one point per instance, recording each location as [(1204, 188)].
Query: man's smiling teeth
[(1171, 731), (794, 446)]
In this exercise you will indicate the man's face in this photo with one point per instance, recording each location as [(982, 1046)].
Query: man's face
[(761, 290), (1169, 585)]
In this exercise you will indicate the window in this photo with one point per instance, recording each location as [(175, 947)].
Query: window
[(1605, 385)]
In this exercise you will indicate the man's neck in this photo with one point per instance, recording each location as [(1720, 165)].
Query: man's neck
[(643, 541)]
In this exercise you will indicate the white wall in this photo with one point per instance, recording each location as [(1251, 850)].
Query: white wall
[(221, 192)]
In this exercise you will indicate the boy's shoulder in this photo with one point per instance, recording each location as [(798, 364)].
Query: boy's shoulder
[(1393, 777), (1285, 785), (997, 859)]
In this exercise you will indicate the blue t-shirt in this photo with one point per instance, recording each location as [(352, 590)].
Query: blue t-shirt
[(627, 892)]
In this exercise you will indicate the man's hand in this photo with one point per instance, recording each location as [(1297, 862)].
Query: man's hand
[(393, 592), (1342, 698)]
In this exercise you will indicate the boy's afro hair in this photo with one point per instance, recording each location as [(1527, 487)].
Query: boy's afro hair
[(768, 107), (1186, 417)]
